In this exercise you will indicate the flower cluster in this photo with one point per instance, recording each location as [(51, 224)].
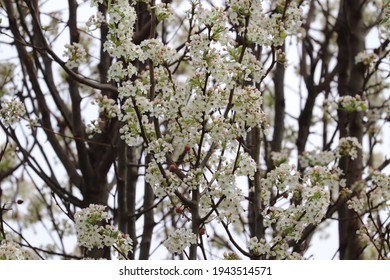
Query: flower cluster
[(259, 247), (157, 181), (311, 193), (157, 52), (163, 11), (277, 248), (292, 20), (225, 189), (197, 102), (159, 148), (348, 146), (264, 30), (93, 128), (117, 72), (352, 103), (251, 69), (315, 203), (95, 21), (179, 240), (75, 54), (11, 111), (8, 157), (215, 20), (324, 177), (119, 43), (282, 178), (374, 194), (247, 105), (123, 245), (9, 250), (365, 58), (209, 111), (93, 230), (107, 106), (377, 193), (88, 229), (316, 158), (385, 23), (246, 166), (280, 157)]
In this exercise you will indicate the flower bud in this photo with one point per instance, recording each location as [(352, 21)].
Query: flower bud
[(173, 167)]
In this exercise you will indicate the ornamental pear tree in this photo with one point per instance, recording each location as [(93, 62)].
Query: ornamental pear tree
[(234, 129)]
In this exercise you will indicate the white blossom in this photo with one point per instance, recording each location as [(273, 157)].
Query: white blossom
[(76, 55), (93, 230), (11, 111), (348, 146), (94, 22), (9, 250), (179, 240), (107, 106), (366, 58), (352, 103), (93, 128), (316, 158), (163, 11)]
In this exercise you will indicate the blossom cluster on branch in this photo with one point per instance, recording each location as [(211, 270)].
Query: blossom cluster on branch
[(210, 111), (11, 111), (193, 109), (93, 231), (10, 250)]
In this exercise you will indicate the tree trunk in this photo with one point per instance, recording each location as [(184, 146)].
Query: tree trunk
[(255, 217), (351, 37)]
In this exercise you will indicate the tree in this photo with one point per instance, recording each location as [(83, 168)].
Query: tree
[(163, 129)]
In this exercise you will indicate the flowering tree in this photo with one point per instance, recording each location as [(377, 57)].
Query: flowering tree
[(158, 128)]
